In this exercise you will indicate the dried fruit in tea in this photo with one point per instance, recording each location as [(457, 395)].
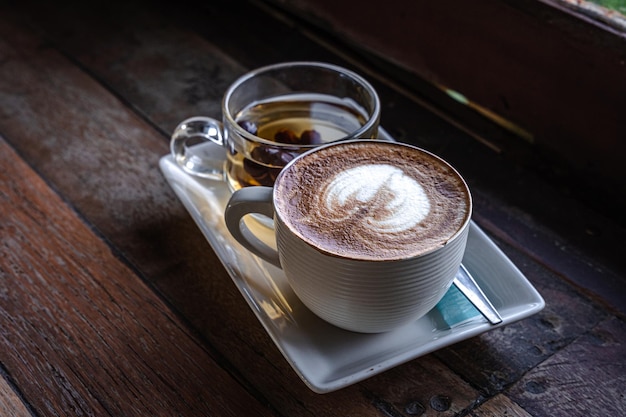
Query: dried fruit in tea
[(266, 162), (272, 156), (311, 137), (258, 172), (307, 137), (286, 136)]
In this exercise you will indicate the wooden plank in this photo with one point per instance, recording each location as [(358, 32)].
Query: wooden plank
[(81, 333), (409, 390), (499, 406), (10, 402), (587, 378)]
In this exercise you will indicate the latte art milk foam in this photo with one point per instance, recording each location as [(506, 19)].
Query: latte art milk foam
[(373, 200)]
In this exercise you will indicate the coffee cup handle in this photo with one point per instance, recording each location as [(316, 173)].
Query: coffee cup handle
[(251, 200), (195, 158)]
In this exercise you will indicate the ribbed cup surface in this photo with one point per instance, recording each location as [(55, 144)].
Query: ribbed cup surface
[(368, 296)]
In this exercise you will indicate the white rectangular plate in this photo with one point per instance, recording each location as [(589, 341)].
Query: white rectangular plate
[(328, 358)]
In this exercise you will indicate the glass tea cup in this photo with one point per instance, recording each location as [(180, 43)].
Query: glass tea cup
[(273, 114)]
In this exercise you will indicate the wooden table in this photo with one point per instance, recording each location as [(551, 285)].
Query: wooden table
[(112, 302)]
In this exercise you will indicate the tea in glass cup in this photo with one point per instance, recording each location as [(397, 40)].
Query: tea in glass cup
[(292, 123), (275, 113)]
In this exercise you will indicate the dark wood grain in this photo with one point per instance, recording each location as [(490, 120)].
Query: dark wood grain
[(570, 383), (81, 334), (416, 392)]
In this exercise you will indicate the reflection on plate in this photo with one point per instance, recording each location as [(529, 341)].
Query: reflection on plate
[(328, 358)]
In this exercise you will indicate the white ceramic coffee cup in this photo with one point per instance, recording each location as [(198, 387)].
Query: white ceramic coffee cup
[(355, 292)]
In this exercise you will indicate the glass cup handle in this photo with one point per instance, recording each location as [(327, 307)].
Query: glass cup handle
[(193, 146), (251, 200)]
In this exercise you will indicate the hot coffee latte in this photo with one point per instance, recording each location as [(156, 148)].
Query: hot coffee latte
[(353, 212), (373, 200)]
